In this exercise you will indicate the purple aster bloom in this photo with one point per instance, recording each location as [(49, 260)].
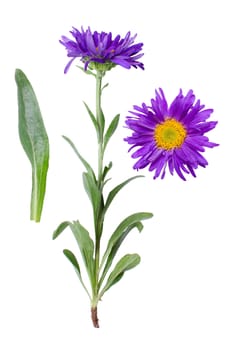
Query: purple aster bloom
[(102, 48), (170, 136)]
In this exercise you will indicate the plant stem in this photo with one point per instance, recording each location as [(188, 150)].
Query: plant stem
[(98, 224), (94, 317)]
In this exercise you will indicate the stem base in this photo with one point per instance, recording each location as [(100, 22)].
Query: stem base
[(94, 317)]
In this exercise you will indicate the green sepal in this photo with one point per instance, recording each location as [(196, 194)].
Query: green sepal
[(73, 260), (118, 236), (126, 263), (110, 131), (34, 139), (86, 247), (60, 229)]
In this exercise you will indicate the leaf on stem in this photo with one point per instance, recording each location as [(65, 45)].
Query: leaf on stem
[(118, 236), (111, 129), (60, 229), (93, 119), (93, 193), (106, 170), (114, 192), (101, 121), (34, 139), (86, 246), (126, 263), (73, 260), (84, 162)]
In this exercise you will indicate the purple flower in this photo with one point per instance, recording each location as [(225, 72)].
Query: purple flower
[(170, 135), (102, 48)]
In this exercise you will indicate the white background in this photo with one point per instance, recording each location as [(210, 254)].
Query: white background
[(180, 296)]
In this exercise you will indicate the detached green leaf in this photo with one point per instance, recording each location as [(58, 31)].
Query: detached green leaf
[(60, 229), (126, 263), (34, 139), (111, 129), (86, 246), (73, 260), (118, 236)]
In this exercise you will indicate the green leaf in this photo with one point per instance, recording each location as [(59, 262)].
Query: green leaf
[(34, 139), (126, 263), (73, 260), (106, 85), (84, 162), (114, 192), (106, 170), (118, 236), (102, 121), (93, 192), (86, 246), (92, 117), (111, 129), (60, 229)]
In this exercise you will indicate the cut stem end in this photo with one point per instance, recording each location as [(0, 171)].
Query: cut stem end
[(94, 317)]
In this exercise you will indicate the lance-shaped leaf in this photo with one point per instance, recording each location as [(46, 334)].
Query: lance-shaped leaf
[(60, 229), (73, 260), (118, 236), (111, 129), (126, 263), (115, 191), (84, 162), (34, 139), (93, 119), (86, 246), (96, 199)]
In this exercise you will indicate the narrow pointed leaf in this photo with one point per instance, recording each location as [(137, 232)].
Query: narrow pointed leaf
[(86, 246), (93, 193), (115, 191), (102, 121), (73, 260), (92, 117), (111, 129), (110, 254), (34, 139), (106, 170), (60, 229), (126, 263), (107, 84), (118, 236), (84, 162)]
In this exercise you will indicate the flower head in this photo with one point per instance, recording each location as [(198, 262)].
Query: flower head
[(170, 136), (101, 50)]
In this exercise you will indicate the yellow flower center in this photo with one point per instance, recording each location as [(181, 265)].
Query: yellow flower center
[(170, 134)]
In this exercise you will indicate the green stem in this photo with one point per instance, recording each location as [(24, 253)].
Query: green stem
[(100, 121), (98, 224)]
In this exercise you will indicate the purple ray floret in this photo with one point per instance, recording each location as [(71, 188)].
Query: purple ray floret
[(100, 47), (170, 136)]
